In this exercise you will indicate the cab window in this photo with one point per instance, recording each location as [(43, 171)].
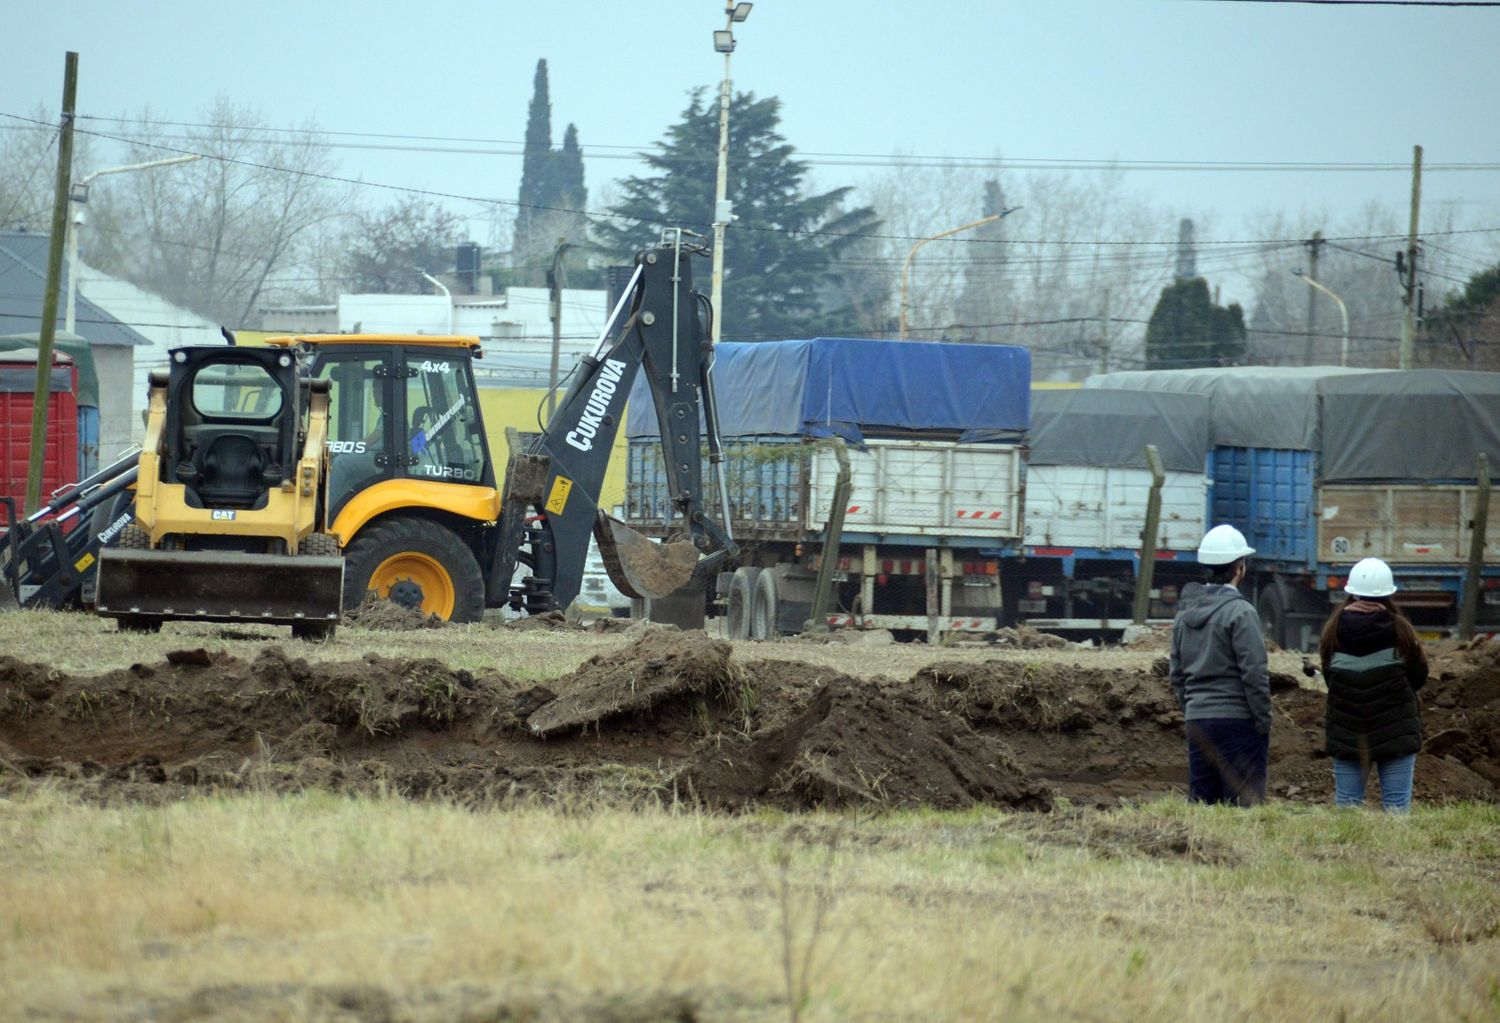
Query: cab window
[(235, 390), (445, 440)]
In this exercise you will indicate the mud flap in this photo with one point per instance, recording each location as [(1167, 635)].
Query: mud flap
[(220, 586), (638, 566)]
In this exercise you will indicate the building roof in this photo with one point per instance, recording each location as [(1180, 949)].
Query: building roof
[(23, 267)]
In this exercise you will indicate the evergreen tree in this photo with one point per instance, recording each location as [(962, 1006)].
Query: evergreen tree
[(1187, 329), (782, 272), (553, 195)]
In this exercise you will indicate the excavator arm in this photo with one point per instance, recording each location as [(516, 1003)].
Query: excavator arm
[(550, 497)]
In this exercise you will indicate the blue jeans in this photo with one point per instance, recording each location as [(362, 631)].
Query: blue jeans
[(1395, 782), (1226, 761)]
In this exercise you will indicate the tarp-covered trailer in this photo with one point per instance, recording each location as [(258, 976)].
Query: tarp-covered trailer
[(933, 435), (1087, 488), (1322, 466)]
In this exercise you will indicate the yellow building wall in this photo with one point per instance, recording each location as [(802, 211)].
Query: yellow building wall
[(502, 407)]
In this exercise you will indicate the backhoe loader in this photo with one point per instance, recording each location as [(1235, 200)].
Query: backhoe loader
[(405, 487)]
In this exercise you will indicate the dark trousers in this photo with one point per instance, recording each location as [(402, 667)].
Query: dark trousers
[(1226, 761)]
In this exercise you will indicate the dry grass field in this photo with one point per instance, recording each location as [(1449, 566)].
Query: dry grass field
[(617, 899)]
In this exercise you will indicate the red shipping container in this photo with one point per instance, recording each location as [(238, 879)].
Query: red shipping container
[(17, 389)]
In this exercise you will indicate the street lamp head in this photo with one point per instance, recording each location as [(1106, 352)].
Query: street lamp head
[(723, 41), (740, 11)]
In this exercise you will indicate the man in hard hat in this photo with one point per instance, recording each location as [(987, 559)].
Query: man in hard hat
[(1219, 672)]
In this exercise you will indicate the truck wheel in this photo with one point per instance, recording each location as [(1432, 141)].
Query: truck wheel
[(417, 563), (765, 607), (741, 600), (1272, 610)]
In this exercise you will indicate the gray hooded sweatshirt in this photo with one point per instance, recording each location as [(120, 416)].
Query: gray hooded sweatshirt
[(1218, 664)]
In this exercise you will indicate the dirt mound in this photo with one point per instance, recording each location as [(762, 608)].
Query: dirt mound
[(858, 743), (388, 616), (550, 621), (670, 714), (659, 665)]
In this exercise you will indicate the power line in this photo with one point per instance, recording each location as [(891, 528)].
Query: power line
[(301, 137), (604, 216)]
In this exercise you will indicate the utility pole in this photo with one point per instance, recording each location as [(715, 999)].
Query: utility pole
[(1104, 336), (54, 280), (554, 310), (1409, 276), (1314, 244)]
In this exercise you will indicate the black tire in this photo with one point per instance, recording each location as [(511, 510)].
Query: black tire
[(133, 538), (765, 607), (319, 545), (741, 599), (314, 631), (423, 540), (1272, 610)]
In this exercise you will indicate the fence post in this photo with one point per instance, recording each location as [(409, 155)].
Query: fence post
[(1470, 611), (1148, 539)]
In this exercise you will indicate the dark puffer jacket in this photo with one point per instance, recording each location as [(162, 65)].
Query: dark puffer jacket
[(1372, 692)]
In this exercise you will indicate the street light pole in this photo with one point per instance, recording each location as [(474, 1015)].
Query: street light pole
[(906, 266), (446, 294), (1343, 311), (78, 197), (723, 208)]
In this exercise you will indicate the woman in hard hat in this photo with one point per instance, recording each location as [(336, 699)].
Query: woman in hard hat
[(1219, 673), (1374, 664)]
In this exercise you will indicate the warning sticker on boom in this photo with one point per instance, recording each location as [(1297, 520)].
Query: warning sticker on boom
[(558, 498)]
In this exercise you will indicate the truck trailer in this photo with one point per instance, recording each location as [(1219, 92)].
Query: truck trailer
[(1087, 487), (1320, 467), (932, 434)]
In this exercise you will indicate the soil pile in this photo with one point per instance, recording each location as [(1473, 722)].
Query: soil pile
[(671, 714), (861, 742), (388, 616)]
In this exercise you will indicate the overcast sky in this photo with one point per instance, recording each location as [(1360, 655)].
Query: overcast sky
[(1062, 80)]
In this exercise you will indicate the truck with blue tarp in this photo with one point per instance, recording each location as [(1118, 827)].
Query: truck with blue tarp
[(934, 438), (1320, 467), (1087, 487)]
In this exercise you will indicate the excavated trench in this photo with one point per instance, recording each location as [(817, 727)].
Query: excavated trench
[(673, 717)]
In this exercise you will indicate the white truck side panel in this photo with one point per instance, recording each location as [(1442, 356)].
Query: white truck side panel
[(924, 488), (1088, 506)]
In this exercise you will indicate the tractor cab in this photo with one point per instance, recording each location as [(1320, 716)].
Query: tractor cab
[(233, 419), (404, 407)]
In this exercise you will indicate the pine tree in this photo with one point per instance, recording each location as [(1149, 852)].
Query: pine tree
[(984, 301), (553, 196), (1188, 330), (782, 276)]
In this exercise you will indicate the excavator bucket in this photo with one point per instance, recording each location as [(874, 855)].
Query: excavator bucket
[(640, 567), (219, 586)]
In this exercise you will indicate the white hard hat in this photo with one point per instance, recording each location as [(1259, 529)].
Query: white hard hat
[(1370, 578), (1222, 545)]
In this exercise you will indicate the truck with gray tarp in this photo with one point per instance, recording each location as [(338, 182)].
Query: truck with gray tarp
[(1320, 467), (1087, 487), (933, 436)]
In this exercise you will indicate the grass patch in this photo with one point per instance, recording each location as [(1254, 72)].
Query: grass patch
[(370, 909)]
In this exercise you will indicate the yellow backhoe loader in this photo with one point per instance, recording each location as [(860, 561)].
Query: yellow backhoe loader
[(406, 489)]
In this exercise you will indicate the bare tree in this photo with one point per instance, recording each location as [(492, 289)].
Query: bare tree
[(28, 169), (1357, 261), (224, 234), (1071, 274), (387, 247)]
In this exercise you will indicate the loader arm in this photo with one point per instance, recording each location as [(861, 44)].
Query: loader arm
[(550, 498)]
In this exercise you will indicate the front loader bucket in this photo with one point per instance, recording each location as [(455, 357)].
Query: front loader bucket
[(640, 567), (220, 586)]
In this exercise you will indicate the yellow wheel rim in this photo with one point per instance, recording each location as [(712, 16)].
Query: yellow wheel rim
[(438, 596)]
